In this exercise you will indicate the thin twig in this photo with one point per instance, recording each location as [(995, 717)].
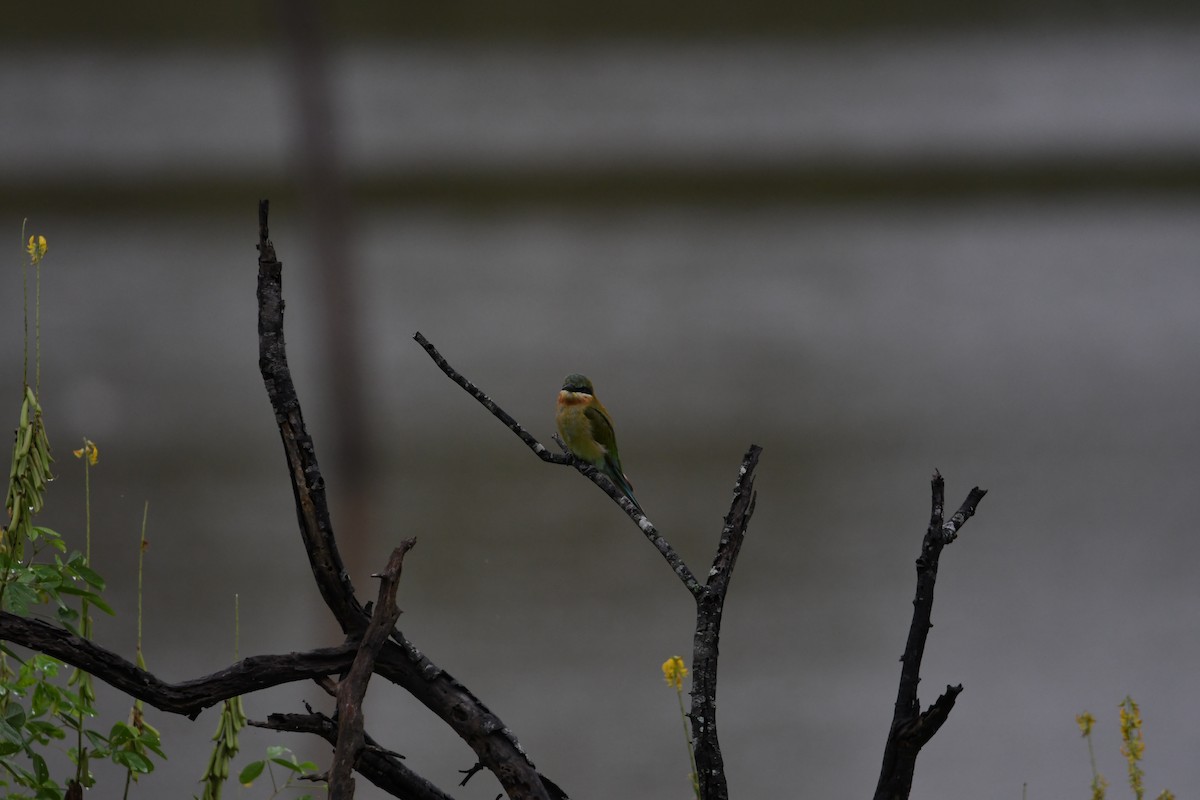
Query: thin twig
[(673, 559), (537, 447)]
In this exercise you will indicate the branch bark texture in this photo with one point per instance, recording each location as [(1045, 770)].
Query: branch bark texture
[(710, 606), (187, 698), (398, 661), (308, 487), (353, 687), (380, 766), (911, 728)]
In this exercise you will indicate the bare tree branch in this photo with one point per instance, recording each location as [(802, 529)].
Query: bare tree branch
[(674, 561), (710, 604), (189, 697), (353, 687), (499, 413), (308, 486), (910, 728), (380, 766), (709, 597), (399, 661)]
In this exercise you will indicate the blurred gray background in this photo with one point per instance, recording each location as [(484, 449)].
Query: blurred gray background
[(874, 241)]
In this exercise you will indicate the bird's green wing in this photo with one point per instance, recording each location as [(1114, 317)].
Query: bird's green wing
[(602, 431)]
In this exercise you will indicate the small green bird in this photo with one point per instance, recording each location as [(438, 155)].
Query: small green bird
[(584, 424)]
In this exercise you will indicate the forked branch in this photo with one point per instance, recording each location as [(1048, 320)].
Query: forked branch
[(911, 728), (709, 596), (398, 661), (353, 687)]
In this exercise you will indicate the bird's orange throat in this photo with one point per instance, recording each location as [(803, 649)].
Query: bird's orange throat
[(566, 398)]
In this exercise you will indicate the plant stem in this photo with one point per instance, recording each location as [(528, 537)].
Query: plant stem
[(687, 738)]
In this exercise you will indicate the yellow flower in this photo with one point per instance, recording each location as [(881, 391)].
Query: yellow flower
[(674, 672), (1085, 721), (36, 248), (90, 450), (1133, 747)]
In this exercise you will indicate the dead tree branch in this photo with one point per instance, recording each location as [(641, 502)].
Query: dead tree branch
[(391, 655), (911, 728), (380, 766), (187, 698), (375, 646), (353, 687), (308, 487), (677, 565), (710, 605), (709, 596), (399, 661)]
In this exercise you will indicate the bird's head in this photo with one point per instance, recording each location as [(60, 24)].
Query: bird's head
[(577, 383)]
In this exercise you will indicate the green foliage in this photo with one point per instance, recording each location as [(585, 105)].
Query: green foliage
[(284, 759), (225, 747), (29, 584), (39, 711), (30, 471)]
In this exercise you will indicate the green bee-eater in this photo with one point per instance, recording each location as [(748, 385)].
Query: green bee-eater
[(584, 424)]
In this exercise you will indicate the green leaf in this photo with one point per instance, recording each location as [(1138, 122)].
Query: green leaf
[(49, 537), (94, 599), (122, 734), (88, 574), (47, 665), (45, 699), (68, 720), (47, 576), (150, 741), (45, 533), (44, 731), (40, 771), (19, 597), (98, 602), (133, 761), (97, 739), (283, 762), (14, 718), (250, 772), (275, 751)]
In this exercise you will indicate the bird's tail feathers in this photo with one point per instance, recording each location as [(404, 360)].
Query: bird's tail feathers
[(613, 471), (625, 486)]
